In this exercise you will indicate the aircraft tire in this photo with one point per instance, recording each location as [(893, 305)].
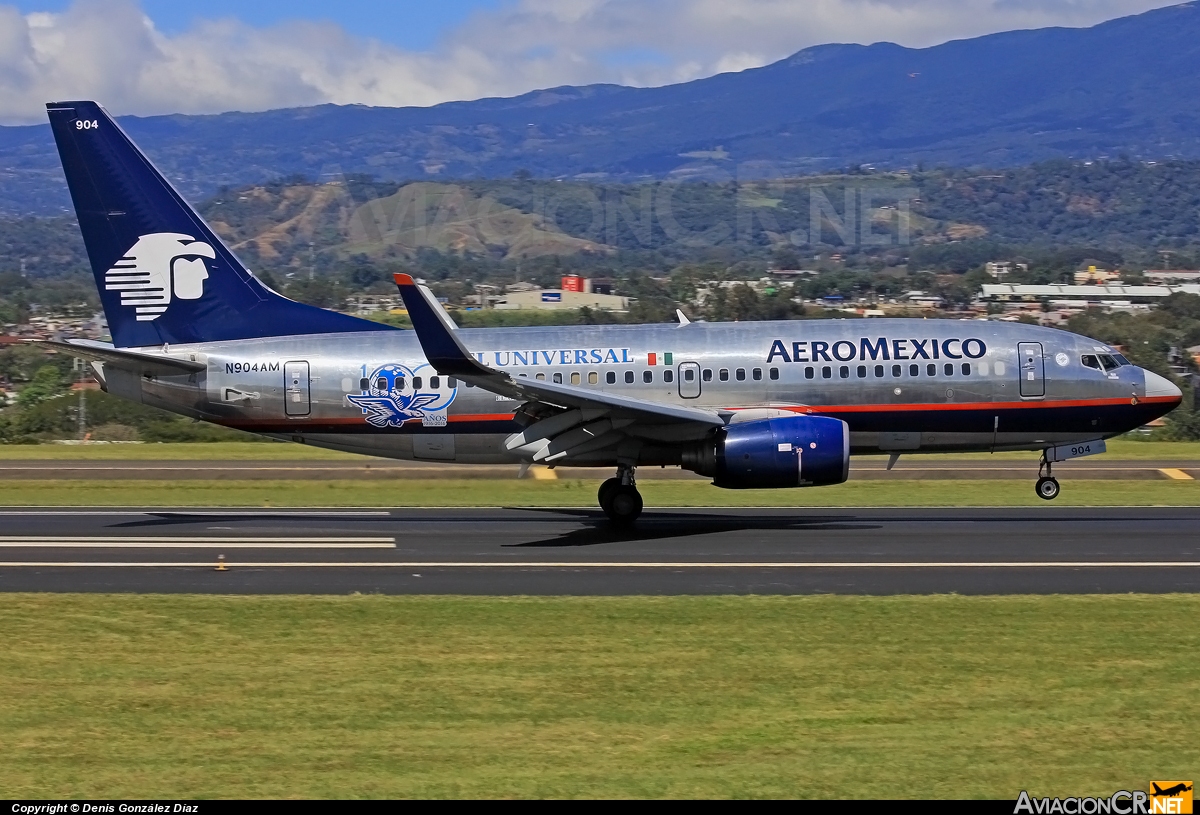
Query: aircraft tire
[(624, 505), (1047, 488), (605, 492)]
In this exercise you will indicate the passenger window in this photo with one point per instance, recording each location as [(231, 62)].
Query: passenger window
[(381, 384), (416, 383), (539, 377), (808, 372), (999, 369), (774, 373), (647, 376), (826, 372), (435, 382), (844, 372), (949, 369), (611, 377), (668, 375), (1089, 361), (452, 383), (689, 374), (740, 374), (629, 377), (723, 374), (931, 369), (558, 379), (756, 374), (707, 374), (523, 376), (593, 378), (914, 370), (966, 369), (862, 372), (364, 384), (895, 370), (576, 378), (879, 371)]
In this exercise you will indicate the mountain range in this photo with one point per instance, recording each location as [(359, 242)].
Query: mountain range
[(1124, 87)]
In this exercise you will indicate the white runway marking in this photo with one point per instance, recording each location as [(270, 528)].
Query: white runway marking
[(1032, 564), (53, 542), (245, 513)]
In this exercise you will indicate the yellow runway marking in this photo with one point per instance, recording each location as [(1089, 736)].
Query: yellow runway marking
[(1178, 475)]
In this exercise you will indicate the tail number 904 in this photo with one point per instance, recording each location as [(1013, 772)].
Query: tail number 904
[(87, 124)]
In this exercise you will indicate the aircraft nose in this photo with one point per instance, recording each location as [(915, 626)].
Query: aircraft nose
[(1161, 386)]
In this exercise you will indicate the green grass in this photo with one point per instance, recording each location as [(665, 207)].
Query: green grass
[(1118, 449), (828, 697), (215, 451), (529, 493)]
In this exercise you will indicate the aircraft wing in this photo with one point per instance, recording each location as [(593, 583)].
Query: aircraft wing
[(139, 361), (597, 415)]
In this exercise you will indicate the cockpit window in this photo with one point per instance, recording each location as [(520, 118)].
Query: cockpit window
[(1121, 360), (1090, 361), (1108, 362)]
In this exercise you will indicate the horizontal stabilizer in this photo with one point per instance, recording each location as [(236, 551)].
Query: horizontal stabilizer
[(140, 361)]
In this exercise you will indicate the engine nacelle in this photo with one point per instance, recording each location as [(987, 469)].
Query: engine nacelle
[(793, 451)]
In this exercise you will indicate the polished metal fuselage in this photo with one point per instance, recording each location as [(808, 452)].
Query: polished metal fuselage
[(900, 384)]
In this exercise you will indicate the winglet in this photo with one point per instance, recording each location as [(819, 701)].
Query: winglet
[(436, 331)]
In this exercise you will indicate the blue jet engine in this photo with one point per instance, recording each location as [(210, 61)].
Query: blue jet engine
[(792, 451)]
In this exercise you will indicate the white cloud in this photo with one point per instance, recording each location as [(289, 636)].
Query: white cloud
[(110, 51)]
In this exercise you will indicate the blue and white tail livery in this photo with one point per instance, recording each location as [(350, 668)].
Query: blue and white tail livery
[(163, 275)]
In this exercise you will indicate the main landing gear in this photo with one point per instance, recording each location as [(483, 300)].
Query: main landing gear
[(1047, 484), (619, 498)]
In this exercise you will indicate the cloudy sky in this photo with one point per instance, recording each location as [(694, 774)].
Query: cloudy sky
[(166, 56)]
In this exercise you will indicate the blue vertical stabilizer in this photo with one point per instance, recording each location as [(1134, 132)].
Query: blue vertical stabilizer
[(163, 275)]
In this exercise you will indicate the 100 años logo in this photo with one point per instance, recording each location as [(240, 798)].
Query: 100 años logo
[(876, 349), (393, 394)]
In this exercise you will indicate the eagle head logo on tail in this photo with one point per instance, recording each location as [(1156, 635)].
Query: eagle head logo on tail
[(156, 268)]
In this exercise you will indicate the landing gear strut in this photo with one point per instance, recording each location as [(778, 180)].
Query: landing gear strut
[(619, 498), (1047, 484)]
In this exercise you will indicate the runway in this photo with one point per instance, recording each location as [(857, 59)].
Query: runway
[(1035, 550)]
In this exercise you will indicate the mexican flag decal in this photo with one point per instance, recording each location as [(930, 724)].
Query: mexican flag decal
[(659, 359)]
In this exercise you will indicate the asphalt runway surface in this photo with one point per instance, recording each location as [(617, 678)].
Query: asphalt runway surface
[(908, 468), (1036, 550)]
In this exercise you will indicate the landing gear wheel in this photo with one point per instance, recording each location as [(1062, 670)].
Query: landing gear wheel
[(624, 505), (1047, 488), (605, 493)]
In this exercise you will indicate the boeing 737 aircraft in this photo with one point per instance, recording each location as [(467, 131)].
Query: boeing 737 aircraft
[(752, 405)]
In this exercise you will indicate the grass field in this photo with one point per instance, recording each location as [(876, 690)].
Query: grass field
[(569, 492), (1122, 449), (828, 697)]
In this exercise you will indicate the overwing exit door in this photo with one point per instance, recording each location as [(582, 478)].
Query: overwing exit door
[(1033, 369), (689, 379), (296, 398)]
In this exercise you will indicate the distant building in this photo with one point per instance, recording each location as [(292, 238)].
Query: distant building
[(1096, 276), (1166, 276), (559, 299), (1001, 269), (1114, 297)]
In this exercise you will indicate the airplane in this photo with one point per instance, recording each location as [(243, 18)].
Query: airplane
[(779, 404), (1170, 792)]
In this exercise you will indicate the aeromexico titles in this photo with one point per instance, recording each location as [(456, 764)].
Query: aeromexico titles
[(774, 404)]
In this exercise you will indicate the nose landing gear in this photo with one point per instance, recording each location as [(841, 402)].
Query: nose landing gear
[(620, 499), (1047, 484)]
